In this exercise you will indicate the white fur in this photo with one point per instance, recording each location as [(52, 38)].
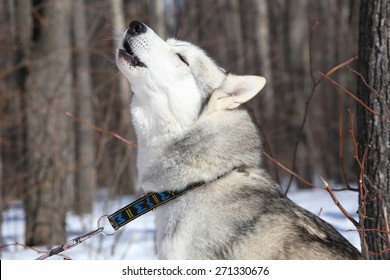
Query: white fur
[(168, 93), (189, 130)]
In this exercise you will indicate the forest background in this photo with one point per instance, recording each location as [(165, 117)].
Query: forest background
[(57, 73)]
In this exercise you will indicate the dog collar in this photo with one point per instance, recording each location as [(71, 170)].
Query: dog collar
[(144, 205), (150, 202)]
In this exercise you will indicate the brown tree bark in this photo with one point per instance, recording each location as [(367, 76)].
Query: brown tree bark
[(85, 173), (125, 164), (157, 19), (373, 130), (49, 132), (16, 31)]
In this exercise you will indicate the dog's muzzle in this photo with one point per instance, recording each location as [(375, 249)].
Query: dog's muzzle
[(135, 28)]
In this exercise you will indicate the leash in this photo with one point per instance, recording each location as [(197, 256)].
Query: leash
[(129, 213), (122, 217), (70, 244)]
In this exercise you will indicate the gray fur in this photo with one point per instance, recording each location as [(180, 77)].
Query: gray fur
[(189, 159), (239, 212), (242, 215)]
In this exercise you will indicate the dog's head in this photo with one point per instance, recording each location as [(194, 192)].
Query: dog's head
[(172, 80)]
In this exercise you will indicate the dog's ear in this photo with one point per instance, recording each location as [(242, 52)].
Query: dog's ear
[(242, 88), (234, 91)]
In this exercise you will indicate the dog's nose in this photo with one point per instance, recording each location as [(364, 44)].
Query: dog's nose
[(136, 27)]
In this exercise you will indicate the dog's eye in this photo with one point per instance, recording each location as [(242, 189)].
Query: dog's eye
[(182, 58)]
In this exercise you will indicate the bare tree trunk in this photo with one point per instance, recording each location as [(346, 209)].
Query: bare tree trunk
[(263, 43), (189, 21), (1, 197), (125, 165), (278, 40), (297, 54), (171, 18), (224, 42), (85, 173), (16, 40), (3, 87), (15, 30), (49, 131), (374, 131), (157, 19), (211, 35), (259, 30), (233, 35)]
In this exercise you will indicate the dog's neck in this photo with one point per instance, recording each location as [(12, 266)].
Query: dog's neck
[(187, 158), (158, 118), (155, 127)]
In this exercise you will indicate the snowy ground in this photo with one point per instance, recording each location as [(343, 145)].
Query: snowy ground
[(136, 240)]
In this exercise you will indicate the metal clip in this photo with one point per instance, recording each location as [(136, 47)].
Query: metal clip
[(99, 224), (70, 244)]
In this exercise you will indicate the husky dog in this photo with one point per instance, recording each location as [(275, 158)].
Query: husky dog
[(190, 130)]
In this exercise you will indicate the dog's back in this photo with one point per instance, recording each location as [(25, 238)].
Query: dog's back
[(240, 213)]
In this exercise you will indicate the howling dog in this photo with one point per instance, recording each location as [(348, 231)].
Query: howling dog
[(192, 130)]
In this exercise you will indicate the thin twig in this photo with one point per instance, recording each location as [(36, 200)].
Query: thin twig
[(297, 176), (362, 188), (380, 252), (371, 229), (131, 144), (380, 97), (338, 67), (313, 28), (339, 205), (320, 212), (341, 155), (313, 90), (293, 174), (386, 226), (334, 83), (266, 144)]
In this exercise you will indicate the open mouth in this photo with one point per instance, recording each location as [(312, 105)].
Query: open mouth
[(128, 54)]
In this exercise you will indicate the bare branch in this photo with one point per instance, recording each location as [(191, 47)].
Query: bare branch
[(131, 144), (371, 229), (362, 189), (386, 226), (341, 154), (379, 253), (313, 90), (338, 204), (380, 97), (338, 67), (293, 174), (334, 83)]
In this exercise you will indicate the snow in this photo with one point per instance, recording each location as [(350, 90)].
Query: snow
[(136, 240)]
